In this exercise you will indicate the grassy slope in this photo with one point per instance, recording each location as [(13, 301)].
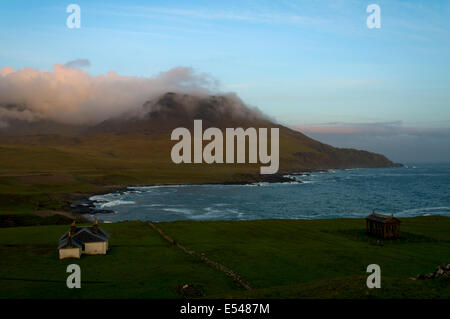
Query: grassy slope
[(36, 175), (38, 172), (279, 258)]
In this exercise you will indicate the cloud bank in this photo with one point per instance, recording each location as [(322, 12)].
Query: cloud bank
[(400, 143), (71, 95)]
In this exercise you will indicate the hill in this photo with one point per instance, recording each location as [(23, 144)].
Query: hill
[(132, 136), (134, 149)]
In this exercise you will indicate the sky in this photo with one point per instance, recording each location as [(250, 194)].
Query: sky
[(312, 65)]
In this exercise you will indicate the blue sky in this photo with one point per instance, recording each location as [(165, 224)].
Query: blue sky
[(306, 63)]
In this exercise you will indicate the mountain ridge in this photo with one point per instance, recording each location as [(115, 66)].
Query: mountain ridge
[(131, 136)]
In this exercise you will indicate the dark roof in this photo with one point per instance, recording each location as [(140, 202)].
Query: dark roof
[(88, 236), (65, 243), (84, 234), (101, 232), (380, 218), (73, 230)]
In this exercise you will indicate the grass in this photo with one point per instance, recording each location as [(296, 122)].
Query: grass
[(139, 265), (279, 258), (305, 251), (43, 171), (41, 177)]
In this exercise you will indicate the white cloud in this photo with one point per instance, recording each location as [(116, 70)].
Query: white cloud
[(71, 95)]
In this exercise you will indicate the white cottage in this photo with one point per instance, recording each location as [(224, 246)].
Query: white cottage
[(89, 240), (69, 249)]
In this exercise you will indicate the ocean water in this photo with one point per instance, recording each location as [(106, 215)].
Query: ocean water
[(414, 190)]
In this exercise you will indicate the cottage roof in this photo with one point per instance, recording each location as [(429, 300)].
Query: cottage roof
[(86, 235), (102, 232), (81, 235), (91, 229), (380, 218), (66, 243)]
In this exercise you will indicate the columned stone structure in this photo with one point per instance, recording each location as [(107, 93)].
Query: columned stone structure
[(382, 226)]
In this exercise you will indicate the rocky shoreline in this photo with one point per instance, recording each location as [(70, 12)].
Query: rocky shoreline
[(83, 205)]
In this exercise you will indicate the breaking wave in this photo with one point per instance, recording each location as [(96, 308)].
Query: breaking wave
[(352, 193)]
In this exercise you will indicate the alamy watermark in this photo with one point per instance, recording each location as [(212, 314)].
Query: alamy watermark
[(213, 152), (374, 280), (74, 19), (74, 279), (374, 19)]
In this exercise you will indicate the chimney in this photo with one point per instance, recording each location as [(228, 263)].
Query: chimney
[(69, 239), (73, 228), (95, 226)]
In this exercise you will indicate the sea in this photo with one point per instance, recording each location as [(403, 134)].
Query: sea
[(412, 190)]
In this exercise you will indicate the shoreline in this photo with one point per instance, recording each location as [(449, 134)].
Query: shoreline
[(83, 205)]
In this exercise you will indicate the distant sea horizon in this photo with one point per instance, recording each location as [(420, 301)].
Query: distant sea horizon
[(417, 189)]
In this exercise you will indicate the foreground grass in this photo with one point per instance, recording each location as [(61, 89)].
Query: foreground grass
[(279, 258), (322, 258), (139, 265)]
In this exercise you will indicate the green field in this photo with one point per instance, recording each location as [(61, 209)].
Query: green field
[(41, 175), (278, 258), (46, 172)]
